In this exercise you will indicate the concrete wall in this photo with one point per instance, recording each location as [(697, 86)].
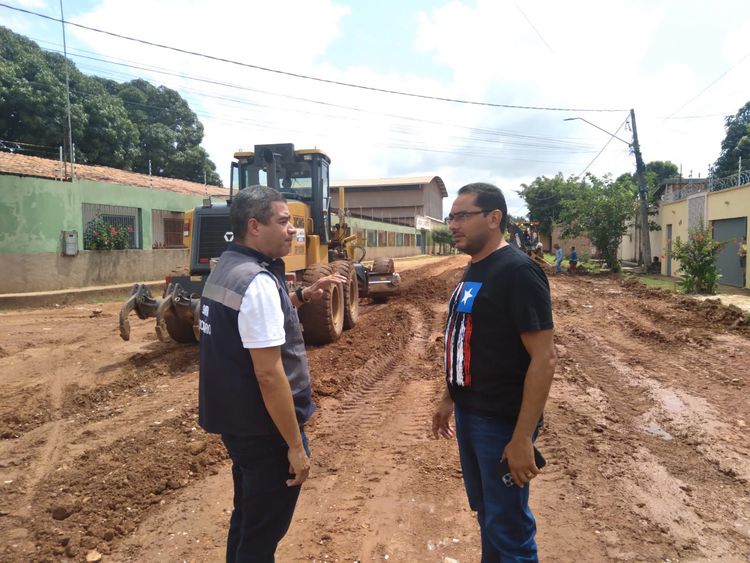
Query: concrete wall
[(630, 244), (724, 204), (391, 251), (358, 224), (583, 244), (35, 211), (50, 270), (676, 215)]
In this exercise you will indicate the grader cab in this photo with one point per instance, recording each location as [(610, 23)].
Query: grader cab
[(317, 250)]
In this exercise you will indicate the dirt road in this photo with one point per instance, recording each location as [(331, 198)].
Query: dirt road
[(646, 437)]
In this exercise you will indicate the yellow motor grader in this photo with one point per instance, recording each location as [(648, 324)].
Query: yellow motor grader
[(317, 250)]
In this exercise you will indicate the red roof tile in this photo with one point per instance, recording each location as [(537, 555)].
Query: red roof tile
[(23, 165)]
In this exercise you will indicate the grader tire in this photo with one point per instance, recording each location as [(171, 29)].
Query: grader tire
[(383, 265), (179, 330), (351, 293), (322, 319)]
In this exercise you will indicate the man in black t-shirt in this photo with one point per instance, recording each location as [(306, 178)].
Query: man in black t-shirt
[(499, 361)]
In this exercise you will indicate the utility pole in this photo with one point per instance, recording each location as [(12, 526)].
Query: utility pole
[(640, 172), (67, 93)]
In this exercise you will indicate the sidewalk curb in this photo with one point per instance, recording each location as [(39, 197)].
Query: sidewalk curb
[(58, 297)]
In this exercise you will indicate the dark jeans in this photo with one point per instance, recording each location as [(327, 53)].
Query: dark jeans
[(263, 504), (507, 526)]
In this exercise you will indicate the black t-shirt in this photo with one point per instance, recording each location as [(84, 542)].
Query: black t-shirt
[(485, 361)]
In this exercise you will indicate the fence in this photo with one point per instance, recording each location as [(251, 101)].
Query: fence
[(717, 184)]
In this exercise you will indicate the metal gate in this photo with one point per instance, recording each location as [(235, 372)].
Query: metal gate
[(731, 232)]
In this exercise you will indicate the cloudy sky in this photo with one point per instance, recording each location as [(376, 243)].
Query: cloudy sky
[(681, 64)]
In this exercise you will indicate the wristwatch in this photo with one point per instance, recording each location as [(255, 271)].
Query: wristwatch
[(300, 295)]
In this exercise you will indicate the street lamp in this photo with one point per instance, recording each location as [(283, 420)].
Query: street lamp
[(640, 173)]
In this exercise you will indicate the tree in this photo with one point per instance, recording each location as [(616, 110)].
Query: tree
[(736, 143), (544, 198), (118, 125), (170, 132), (442, 237), (656, 172), (600, 209)]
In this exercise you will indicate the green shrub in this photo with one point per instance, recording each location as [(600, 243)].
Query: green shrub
[(100, 235), (697, 257)]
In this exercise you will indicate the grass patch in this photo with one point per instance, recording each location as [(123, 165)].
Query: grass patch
[(661, 282), (593, 266)]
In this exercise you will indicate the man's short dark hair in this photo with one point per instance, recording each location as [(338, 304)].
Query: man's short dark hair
[(255, 202), (488, 198)]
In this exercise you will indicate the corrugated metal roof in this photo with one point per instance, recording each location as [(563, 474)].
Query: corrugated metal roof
[(378, 182), (23, 165)]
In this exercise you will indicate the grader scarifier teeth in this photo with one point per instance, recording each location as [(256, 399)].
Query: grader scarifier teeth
[(142, 302), (164, 305), (177, 315)]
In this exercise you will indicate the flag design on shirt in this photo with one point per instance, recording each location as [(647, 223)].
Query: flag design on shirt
[(457, 354)]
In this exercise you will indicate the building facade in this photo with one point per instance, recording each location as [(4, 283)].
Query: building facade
[(721, 205), (395, 200), (43, 221)]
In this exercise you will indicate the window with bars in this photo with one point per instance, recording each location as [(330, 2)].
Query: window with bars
[(166, 227), (114, 219)]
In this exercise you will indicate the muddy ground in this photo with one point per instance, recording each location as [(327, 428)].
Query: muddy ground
[(646, 437)]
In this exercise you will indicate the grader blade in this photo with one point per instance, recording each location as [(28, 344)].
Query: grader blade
[(142, 302)]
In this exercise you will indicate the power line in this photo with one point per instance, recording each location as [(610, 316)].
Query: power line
[(299, 75), (476, 134), (28, 144), (704, 116), (604, 147), (138, 66), (533, 27), (454, 146), (714, 81)]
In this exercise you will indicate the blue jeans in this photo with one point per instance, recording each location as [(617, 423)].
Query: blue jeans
[(505, 520), (558, 265), (263, 504)]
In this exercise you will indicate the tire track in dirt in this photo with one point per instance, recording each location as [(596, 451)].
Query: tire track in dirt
[(662, 453), (372, 452), (49, 453)]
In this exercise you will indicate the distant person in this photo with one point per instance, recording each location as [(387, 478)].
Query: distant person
[(539, 250), (558, 258), (499, 361), (254, 383), (656, 265), (573, 260), (742, 253), (527, 240)]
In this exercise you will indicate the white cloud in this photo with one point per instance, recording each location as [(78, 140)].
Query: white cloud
[(600, 55), (31, 4)]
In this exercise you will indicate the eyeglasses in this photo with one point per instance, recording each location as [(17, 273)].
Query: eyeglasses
[(461, 216)]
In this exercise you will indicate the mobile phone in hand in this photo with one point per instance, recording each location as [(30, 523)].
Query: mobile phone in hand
[(503, 469)]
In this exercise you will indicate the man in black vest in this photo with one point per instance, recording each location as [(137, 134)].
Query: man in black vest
[(499, 361), (254, 385)]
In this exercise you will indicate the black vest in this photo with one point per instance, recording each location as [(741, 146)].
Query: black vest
[(230, 401)]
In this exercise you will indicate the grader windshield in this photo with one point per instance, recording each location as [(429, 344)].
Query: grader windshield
[(299, 175)]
